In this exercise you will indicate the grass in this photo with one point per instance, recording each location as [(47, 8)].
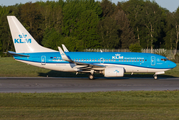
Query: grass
[(131, 105), (11, 68)]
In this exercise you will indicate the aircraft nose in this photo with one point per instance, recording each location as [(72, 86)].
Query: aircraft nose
[(172, 64)]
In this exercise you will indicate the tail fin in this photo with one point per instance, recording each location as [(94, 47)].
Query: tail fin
[(23, 41)]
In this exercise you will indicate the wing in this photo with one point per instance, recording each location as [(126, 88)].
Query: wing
[(80, 65)]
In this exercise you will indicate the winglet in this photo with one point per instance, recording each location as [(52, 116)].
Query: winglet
[(64, 57), (64, 48)]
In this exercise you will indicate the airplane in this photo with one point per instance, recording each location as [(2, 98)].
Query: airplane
[(110, 64)]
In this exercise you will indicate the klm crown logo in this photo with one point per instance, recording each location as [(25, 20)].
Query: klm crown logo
[(22, 36), (22, 39), (116, 71)]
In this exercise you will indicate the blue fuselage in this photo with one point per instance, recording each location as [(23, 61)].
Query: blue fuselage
[(143, 60)]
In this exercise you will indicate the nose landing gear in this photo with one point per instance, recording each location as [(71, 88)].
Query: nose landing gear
[(158, 73)]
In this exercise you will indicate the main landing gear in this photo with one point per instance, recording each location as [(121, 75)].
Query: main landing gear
[(91, 76), (155, 77)]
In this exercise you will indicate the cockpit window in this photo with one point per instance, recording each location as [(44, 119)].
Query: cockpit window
[(164, 59)]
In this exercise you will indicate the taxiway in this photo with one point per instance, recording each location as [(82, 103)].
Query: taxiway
[(39, 85)]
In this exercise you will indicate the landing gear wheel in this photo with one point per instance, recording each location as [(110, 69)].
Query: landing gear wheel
[(91, 76), (155, 77)]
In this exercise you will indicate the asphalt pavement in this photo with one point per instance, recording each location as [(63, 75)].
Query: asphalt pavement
[(60, 84)]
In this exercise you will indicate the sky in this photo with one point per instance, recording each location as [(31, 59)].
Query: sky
[(171, 5)]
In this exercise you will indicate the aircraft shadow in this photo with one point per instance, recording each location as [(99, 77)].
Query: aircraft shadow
[(98, 76)]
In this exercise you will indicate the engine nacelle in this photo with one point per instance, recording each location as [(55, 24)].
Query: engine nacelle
[(114, 72)]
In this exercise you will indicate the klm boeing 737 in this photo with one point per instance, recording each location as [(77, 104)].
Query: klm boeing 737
[(111, 64)]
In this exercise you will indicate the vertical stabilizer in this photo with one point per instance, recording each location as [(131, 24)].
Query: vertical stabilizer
[(23, 41)]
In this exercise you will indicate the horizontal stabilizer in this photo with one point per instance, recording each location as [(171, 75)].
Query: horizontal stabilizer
[(17, 54)]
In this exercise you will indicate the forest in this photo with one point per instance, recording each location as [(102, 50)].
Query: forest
[(89, 24)]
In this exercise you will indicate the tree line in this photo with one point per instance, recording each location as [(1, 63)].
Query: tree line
[(84, 24)]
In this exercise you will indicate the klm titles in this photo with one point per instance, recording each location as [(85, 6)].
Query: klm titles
[(22, 39)]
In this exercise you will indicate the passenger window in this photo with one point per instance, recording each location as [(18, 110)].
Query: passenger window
[(164, 59)]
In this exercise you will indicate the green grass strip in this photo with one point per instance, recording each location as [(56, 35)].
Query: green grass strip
[(129, 105)]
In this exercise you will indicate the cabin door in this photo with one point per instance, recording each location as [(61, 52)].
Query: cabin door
[(153, 60), (43, 60)]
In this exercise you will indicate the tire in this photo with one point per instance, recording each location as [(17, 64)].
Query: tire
[(155, 77), (91, 77)]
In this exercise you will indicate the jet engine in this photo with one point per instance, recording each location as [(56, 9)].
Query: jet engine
[(114, 72)]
